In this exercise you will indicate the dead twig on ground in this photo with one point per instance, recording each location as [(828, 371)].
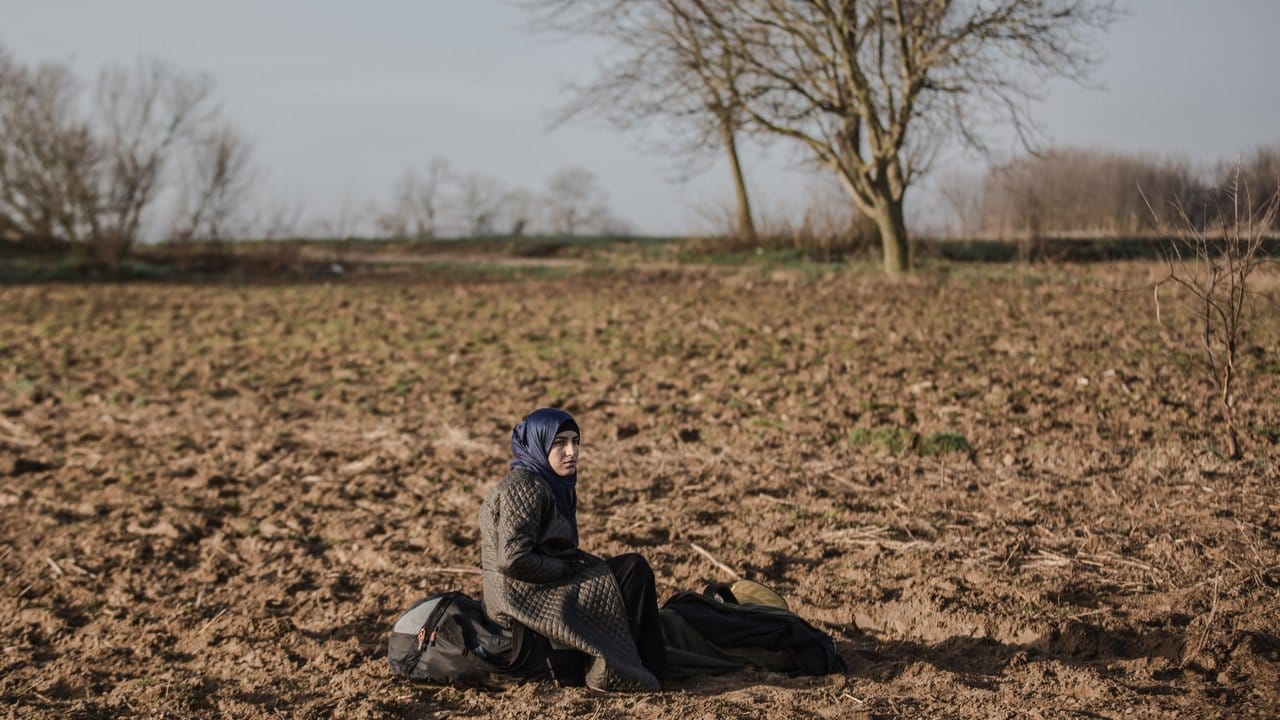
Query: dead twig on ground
[(724, 568), (211, 621), (847, 696), (869, 535), (1104, 564), (454, 570)]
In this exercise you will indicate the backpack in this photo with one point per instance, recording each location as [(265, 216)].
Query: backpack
[(447, 638)]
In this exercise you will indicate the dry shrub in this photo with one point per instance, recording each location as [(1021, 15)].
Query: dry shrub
[(1212, 264), (824, 231), (827, 229)]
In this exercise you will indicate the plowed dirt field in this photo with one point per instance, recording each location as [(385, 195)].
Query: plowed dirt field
[(995, 487)]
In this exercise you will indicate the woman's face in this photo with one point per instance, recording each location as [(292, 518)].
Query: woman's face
[(563, 457)]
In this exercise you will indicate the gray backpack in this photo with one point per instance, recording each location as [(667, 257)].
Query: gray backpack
[(446, 638)]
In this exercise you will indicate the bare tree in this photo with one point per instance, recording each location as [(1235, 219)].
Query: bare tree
[(88, 179), (575, 203), (478, 203), (872, 87), (519, 209), (218, 180), (145, 112), (48, 156), (1214, 268), (665, 67), (418, 202), (439, 200)]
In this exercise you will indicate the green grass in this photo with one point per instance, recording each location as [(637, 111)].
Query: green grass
[(942, 444), (77, 268), (891, 439), (895, 440)]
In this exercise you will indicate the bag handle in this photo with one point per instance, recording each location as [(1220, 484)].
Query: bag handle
[(719, 592)]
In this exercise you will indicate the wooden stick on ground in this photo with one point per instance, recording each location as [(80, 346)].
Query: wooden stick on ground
[(211, 621), (455, 570), (733, 573)]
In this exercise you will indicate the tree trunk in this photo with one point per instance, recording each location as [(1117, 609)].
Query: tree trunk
[(1228, 404), (746, 226), (893, 238)]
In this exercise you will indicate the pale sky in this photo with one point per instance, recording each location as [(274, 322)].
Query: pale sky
[(338, 98)]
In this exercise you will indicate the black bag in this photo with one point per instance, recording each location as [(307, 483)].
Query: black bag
[(710, 633), (446, 638)]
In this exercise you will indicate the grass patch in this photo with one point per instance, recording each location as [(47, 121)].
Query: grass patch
[(78, 268), (885, 438), (942, 444), (896, 440)]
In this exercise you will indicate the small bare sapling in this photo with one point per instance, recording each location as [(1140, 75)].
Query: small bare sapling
[(1211, 262)]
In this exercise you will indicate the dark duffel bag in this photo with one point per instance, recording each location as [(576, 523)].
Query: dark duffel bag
[(446, 638)]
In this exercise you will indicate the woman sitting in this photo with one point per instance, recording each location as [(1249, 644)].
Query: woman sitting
[(535, 574)]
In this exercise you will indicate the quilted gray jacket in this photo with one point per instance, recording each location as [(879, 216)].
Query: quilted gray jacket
[(535, 576)]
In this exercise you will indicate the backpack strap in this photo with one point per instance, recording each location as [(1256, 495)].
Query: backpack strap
[(425, 638), (433, 620)]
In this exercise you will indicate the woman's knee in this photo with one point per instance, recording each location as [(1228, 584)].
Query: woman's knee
[(633, 564)]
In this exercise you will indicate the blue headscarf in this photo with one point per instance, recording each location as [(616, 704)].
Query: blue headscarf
[(531, 444)]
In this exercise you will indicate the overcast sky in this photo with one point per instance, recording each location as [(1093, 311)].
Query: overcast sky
[(338, 98)]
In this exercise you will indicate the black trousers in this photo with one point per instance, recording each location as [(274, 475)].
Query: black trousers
[(640, 595)]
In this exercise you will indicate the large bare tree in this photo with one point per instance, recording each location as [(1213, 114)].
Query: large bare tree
[(665, 68), (873, 87)]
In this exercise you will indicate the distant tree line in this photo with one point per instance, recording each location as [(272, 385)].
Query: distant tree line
[(440, 201), (1100, 193), (867, 91), (144, 153)]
